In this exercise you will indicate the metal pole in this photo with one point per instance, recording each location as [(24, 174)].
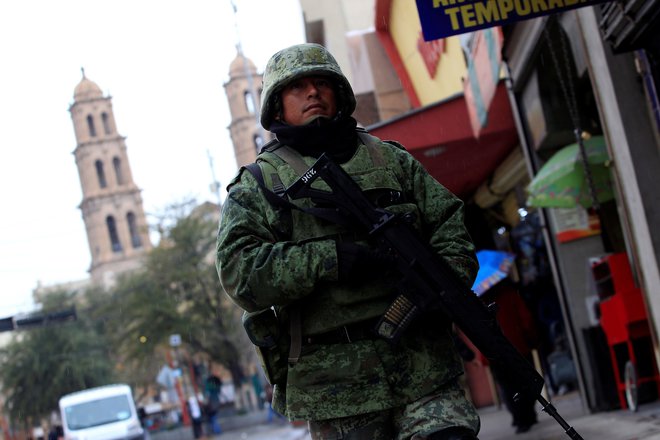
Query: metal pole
[(584, 158), (215, 186)]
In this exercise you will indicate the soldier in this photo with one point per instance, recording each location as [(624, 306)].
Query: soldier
[(313, 289)]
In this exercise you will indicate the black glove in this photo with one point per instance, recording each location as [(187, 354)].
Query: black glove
[(358, 262)]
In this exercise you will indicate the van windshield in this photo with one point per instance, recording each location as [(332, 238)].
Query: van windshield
[(97, 412)]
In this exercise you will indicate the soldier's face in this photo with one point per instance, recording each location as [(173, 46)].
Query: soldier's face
[(308, 98)]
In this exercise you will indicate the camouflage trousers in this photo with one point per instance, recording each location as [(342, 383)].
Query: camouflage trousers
[(445, 408)]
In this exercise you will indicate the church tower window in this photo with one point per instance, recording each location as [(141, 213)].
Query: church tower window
[(133, 229), (116, 164), (100, 173), (258, 142), (249, 102), (112, 232), (106, 123), (90, 126)]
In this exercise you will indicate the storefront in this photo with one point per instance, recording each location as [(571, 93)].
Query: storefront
[(561, 73), (557, 87)]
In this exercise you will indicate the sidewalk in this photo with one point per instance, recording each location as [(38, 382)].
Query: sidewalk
[(495, 425), (610, 425), (253, 425)]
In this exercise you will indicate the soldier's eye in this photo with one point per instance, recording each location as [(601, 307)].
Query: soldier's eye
[(322, 83)]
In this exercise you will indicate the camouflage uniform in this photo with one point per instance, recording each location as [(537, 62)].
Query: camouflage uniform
[(270, 256)]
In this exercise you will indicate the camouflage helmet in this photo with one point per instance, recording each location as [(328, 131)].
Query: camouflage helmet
[(295, 62)]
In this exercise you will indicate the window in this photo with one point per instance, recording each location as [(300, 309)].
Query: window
[(116, 164), (315, 32), (258, 142), (106, 123), (112, 232), (102, 411), (136, 242), (100, 174), (90, 126), (249, 102)]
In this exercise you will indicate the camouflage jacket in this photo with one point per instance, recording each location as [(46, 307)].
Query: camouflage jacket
[(269, 256)]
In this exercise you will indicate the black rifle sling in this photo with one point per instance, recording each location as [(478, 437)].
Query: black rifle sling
[(331, 215), (273, 198), (295, 328)]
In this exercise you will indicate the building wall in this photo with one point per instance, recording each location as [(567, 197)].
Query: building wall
[(378, 90), (339, 17)]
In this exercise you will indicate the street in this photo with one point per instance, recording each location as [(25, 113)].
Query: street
[(495, 425)]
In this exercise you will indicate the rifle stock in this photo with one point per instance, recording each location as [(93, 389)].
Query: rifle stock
[(427, 281)]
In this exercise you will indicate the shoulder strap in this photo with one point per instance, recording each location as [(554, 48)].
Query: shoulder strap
[(278, 201), (371, 142), (272, 197), (292, 158), (271, 145), (277, 198), (298, 164)]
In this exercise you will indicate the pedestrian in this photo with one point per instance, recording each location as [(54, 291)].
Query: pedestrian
[(56, 433), (517, 324), (196, 416), (212, 391), (326, 285)]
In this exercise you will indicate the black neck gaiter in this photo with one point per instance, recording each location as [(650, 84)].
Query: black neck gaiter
[(335, 137)]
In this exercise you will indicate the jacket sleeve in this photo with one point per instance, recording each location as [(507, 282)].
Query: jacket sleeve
[(443, 222), (256, 268)]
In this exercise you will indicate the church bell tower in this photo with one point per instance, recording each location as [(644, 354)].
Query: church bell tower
[(111, 207), (243, 92)]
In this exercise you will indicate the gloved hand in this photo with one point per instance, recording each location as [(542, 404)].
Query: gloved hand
[(358, 262)]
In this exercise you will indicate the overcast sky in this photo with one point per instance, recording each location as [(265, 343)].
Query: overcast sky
[(164, 63)]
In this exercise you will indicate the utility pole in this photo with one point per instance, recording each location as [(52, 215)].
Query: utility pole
[(215, 184)]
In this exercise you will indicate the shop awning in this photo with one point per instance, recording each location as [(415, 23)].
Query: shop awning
[(440, 137)]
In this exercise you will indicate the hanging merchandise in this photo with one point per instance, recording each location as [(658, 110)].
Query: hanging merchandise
[(494, 266), (568, 91), (562, 182)]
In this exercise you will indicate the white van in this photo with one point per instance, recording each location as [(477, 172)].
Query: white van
[(103, 413)]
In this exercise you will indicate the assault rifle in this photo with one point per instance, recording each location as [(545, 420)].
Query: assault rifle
[(427, 281)]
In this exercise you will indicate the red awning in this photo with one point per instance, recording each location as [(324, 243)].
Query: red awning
[(440, 137)]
